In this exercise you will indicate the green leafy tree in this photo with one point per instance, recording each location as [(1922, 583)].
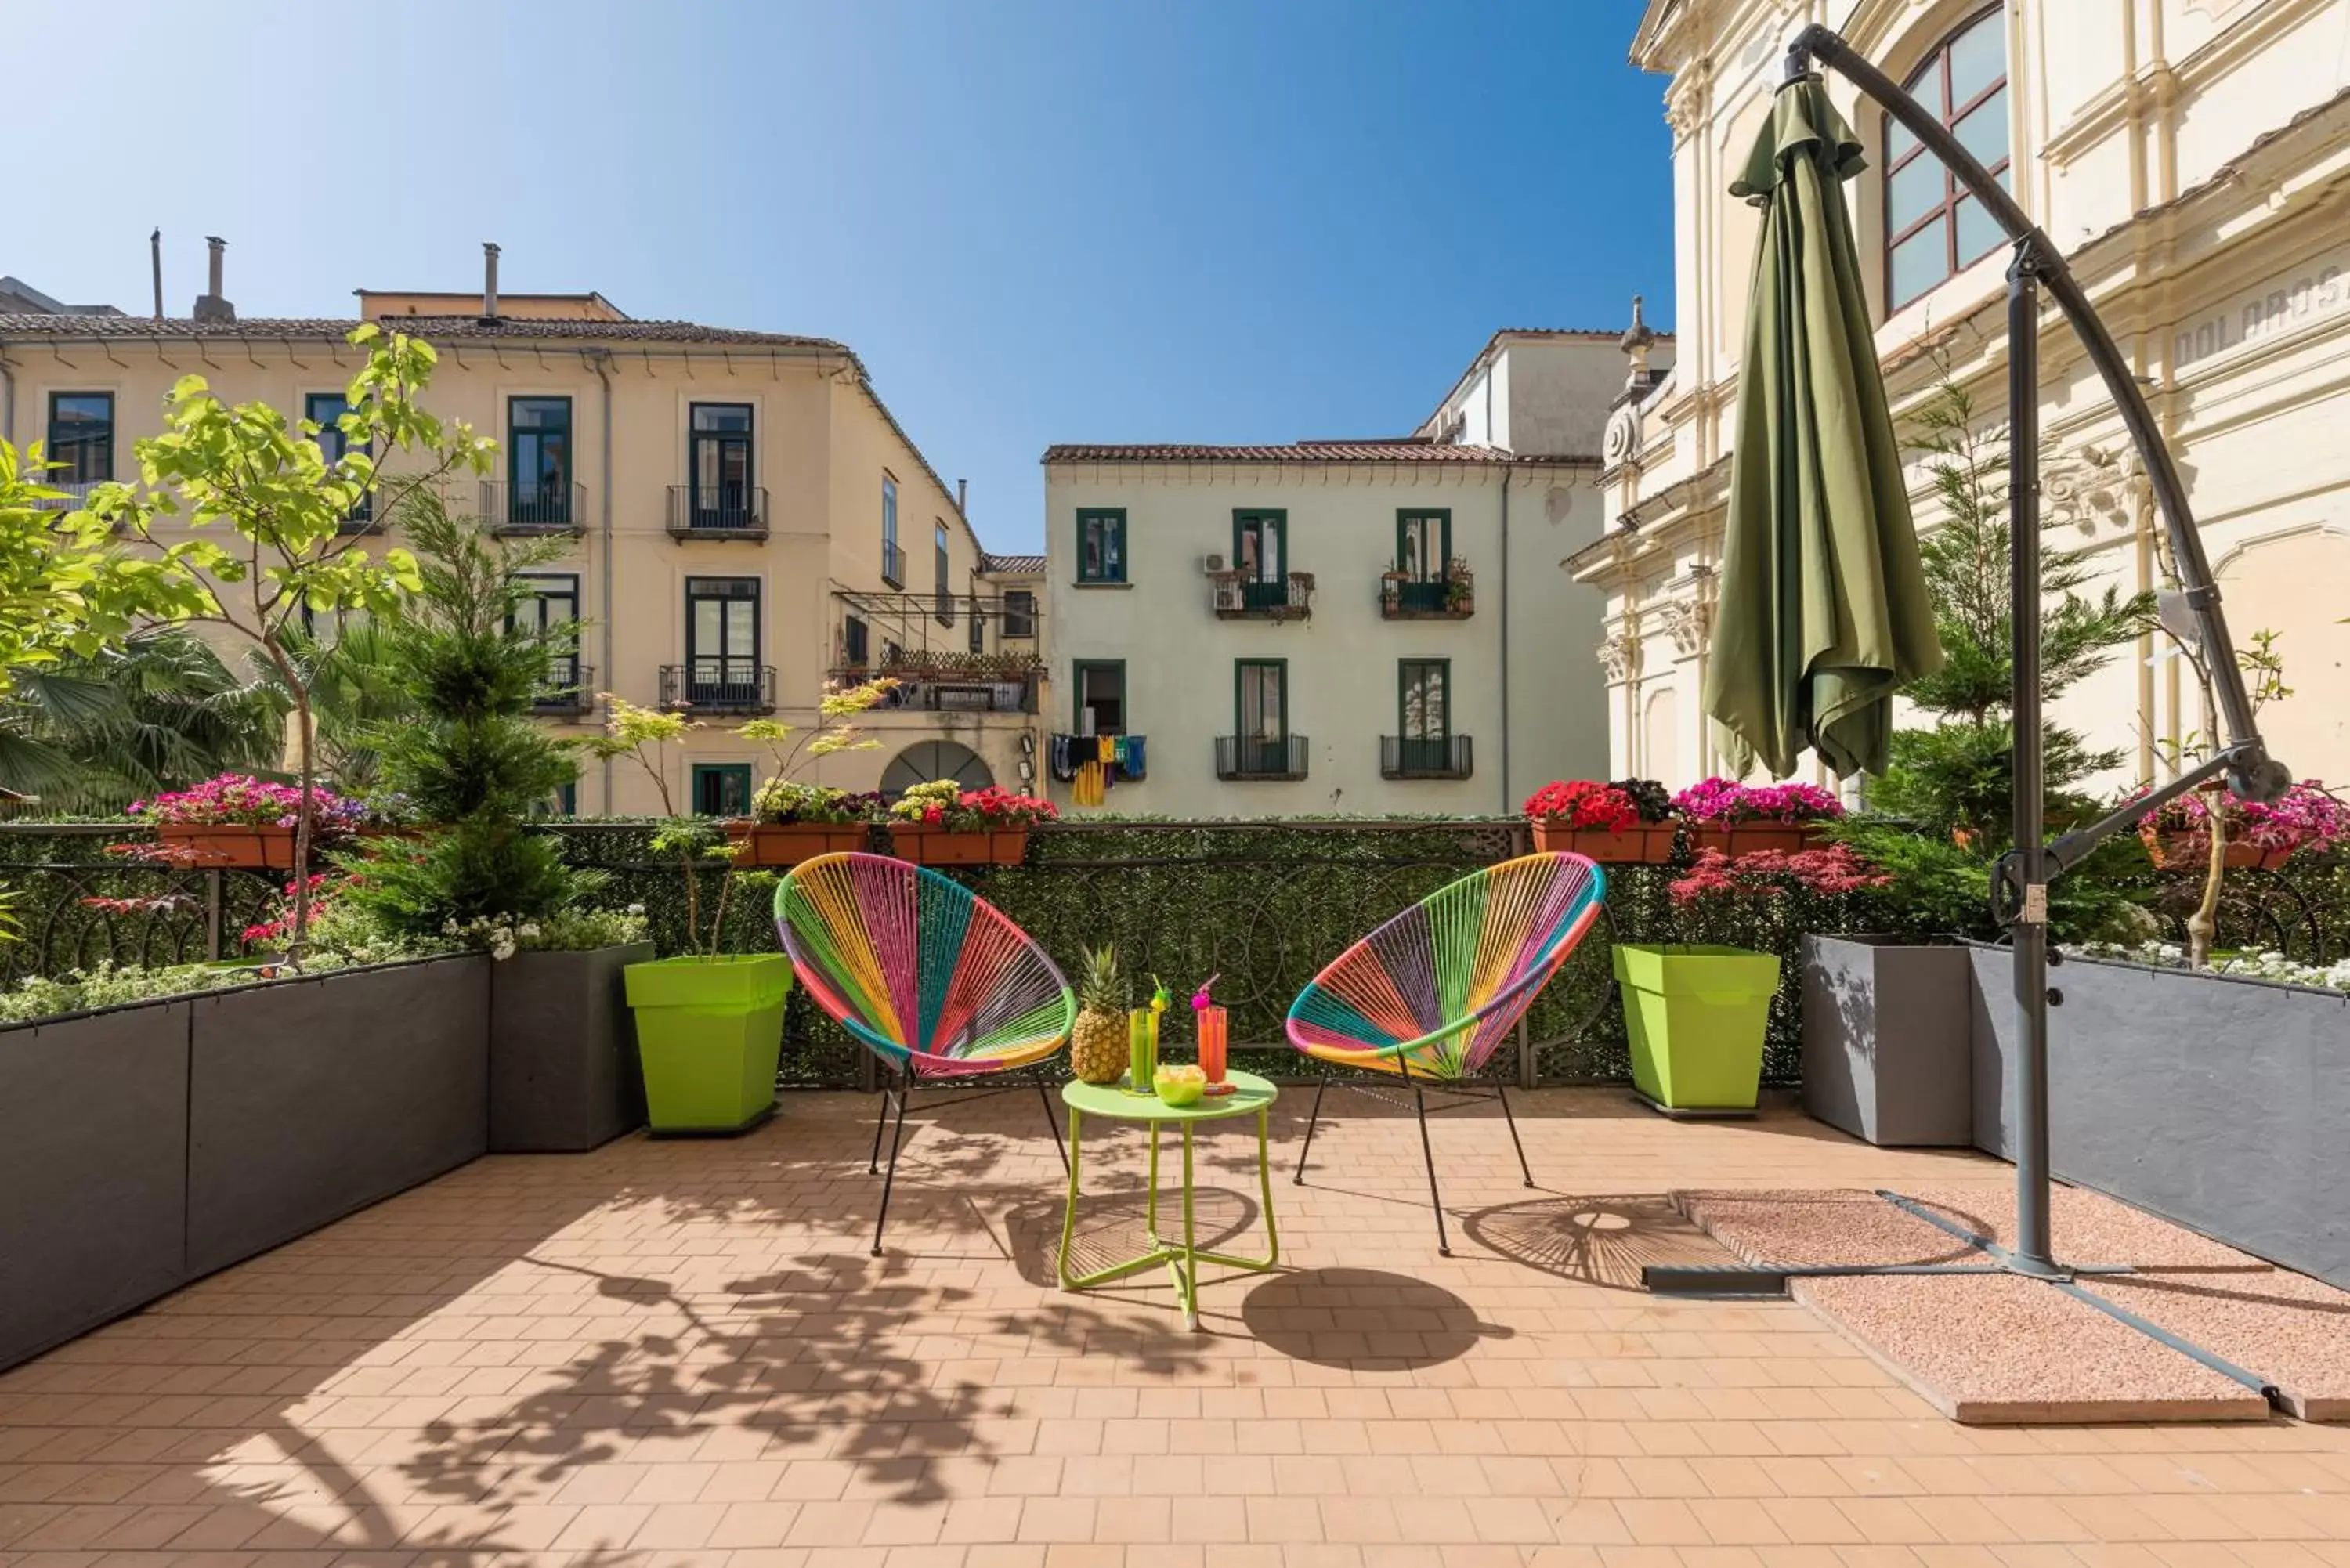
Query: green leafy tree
[(643, 736), (464, 666), (265, 508), (354, 695)]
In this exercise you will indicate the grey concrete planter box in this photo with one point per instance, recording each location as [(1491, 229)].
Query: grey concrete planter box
[(563, 1051), (93, 1171), (2220, 1103), (1888, 1040), (310, 1098)]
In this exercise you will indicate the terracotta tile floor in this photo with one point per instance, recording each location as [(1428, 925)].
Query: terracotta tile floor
[(681, 1353)]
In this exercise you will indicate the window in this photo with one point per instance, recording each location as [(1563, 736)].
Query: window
[(1423, 545), (720, 471), (1262, 701), (944, 593), (721, 789), (1099, 686), (1019, 613), (1424, 713), (1932, 227), (721, 640), (1101, 544), (855, 643), (323, 409), (553, 606), (1259, 545), (978, 628), (539, 462), (81, 437), (893, 560)]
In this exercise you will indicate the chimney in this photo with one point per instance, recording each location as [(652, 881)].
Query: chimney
[(488, 281), (212, 304), (963, 488)]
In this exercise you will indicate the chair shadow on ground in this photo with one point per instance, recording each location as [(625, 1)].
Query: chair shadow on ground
[(1364, 1320), (1603, 1241)]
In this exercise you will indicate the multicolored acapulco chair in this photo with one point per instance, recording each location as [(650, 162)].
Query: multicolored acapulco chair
[(1428, 997), (931, 978)]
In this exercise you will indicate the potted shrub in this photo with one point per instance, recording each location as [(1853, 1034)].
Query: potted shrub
[(1607, 823), (234, 819), (710, 1024), (940, 823), (1459, 586), (1738, 820), (791, 821), (1697, 1012)]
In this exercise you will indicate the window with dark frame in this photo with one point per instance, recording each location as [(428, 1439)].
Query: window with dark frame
[(1933, 228), (538, 438), (1100, 689), (855, 643), (1101, 544), (1019, 612), (944, 595), (323, 409), (1260, 546), (721, 640), (554, 602), (81, 437), (1423, 545), (720, 466), (721, 789), (1423, 709), (893, 569), (1261, 701)]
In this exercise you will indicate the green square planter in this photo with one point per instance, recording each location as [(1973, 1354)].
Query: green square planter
[(1697, 1016), (709, 1031)]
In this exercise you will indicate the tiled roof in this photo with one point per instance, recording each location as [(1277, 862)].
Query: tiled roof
[(1013, 565), (1399, 451), (435, 327)]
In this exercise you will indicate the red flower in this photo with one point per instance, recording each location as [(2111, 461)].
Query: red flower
[(1583, 803)]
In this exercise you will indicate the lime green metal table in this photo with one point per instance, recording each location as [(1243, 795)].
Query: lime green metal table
[(1253, 1096)]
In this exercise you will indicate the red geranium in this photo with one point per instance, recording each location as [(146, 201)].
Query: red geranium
[(1584, 804)]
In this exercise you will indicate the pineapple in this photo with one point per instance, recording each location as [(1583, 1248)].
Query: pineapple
[(1097, 1046)]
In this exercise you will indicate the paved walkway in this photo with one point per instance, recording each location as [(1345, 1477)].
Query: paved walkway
[(681, 1353)]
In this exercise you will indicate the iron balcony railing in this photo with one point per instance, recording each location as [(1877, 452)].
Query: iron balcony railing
[(1452, 597), (534, 506), (73, 493), (1238, 595), (1418, 757), (1250, 757), (718, 511), (718, 685), (946, 691), (894, 565), (570, 689)]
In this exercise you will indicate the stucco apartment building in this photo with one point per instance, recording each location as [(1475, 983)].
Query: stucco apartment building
[(2192, 158), (742, 519), (1364, 627)]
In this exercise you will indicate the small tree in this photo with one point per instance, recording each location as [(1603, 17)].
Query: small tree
[(266, 481), (2263, 669)]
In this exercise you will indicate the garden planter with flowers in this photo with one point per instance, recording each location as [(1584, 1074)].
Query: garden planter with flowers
[(1617, 824), (1743, 819), (235, 820), (792, 822), (940, 823), (2262, 835)]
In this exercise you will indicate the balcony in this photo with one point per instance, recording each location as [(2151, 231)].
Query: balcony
[(1451, 596), (1245, 758), (724, 512), (1412, 757), (73, 493), (991, 685), (1237, 595), (570, 689), (534, 506), (718, 685), (894, 565)]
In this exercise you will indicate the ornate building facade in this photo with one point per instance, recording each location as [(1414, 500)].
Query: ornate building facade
[(2192, 158)]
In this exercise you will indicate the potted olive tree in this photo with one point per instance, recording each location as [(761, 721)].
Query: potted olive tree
[(710, 1024)]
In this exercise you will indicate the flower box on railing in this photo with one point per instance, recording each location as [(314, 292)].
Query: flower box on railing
[(1621, 823), (927, 845), (2185, 851), (785, 843), (1648, 845), (1745, 819), (210, 845), (1748, 837)]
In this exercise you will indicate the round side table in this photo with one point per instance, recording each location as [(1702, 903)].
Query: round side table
[(1253, 1096)]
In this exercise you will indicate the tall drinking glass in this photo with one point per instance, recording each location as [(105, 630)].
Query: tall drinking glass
[(1211, 1043), (1142, 1050)]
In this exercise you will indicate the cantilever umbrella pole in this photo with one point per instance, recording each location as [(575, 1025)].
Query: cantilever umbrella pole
[(2252, 774)]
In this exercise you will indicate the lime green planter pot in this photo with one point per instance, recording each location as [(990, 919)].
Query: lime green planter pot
[(1697, 1016), (709, 1031)]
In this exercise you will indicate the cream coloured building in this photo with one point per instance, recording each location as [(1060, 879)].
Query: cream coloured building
[(1360, 627), (2192, 158), (743, 518)]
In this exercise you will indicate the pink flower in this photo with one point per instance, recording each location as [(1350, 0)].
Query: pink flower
[(1826, 872), (1721, 802)]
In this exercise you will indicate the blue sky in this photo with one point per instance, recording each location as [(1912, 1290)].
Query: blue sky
[(1036, 222)]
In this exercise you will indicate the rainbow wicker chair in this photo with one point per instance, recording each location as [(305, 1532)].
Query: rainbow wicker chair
[(1428, 997), (931, 978)]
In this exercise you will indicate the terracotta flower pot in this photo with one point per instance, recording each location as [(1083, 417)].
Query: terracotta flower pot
[(2177, 850), (927, 846), (790, 842), (269, 847), (1649, 844), (1748, 837)]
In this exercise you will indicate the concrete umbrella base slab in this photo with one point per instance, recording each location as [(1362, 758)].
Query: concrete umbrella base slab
[(1996, 1349)]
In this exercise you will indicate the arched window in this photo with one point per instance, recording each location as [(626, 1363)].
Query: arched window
[(926, 761), (1932, 227)]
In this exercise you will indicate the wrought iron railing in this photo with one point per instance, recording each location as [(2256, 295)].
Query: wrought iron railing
[(718, 512), (1451, 596), (718, 685), (534, 506), (1420, 757), (939, 690), (1251, 757), (72, 494), (570, 689), (1238, 595)]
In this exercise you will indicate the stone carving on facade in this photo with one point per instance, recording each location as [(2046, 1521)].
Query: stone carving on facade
[(2091, 488), (1687, 101), (1686, 622), (1618, 656)]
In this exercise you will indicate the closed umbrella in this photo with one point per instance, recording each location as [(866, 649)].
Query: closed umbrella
[(1822, 612)]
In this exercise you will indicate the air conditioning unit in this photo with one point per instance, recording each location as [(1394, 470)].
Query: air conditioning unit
[(1213, 564)]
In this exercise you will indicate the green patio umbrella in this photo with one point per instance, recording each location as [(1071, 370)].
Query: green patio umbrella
[(1822, 612)]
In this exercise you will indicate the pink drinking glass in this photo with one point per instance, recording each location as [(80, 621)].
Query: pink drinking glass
[(1211, 1043)]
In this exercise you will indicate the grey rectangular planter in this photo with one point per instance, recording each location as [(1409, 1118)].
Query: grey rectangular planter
[(2220, 1103), (563, 1051), (93, 1171), (310, 1098), (1887, 1043)]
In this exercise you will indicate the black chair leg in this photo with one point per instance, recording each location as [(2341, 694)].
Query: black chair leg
[(1311, 1123), (881, 1124), (1036, 1071), (1501, 1093), (1428, 1152), (890, 1181)]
